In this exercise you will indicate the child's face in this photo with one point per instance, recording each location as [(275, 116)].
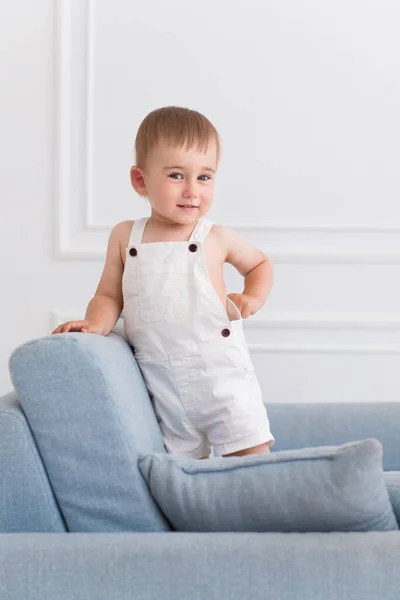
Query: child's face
[(175, 177)]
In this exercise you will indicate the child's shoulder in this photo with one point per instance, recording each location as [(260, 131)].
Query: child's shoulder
[(217, 229), (123, 228), (121, 232), (221, 238), (224, 235)]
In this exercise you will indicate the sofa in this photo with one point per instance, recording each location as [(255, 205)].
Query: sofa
[(78, 520)]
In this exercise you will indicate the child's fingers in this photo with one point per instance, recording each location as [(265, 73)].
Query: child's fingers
[(74, 325), (92, 329), (58, 329), (70, 326)]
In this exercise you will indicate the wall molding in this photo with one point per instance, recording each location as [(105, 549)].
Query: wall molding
[(325, 348), (63, 252), (73, 49), (73, 171), (336, 322), (279, 226), (367, 321), (377, 321)]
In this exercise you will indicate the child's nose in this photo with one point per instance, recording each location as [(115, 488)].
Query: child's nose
[(190, 191)]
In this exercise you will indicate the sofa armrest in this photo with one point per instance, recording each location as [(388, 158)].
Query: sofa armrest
[(90, 413), (27, 501)]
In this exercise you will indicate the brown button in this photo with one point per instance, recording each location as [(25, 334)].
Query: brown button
[(192, 247), (226, 332), (133, 251)]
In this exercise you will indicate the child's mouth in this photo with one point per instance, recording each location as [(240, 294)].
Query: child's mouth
[(188, 207)]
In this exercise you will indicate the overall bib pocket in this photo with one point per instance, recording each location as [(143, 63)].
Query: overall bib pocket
[(162, 292), (242, 351)]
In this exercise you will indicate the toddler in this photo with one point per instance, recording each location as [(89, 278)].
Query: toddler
[(165, 274)]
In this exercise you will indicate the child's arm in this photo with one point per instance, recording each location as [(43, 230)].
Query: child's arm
[(106, 305), (256, 268), (104, 309)]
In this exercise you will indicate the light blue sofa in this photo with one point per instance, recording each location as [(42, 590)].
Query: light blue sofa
[(77, 520)]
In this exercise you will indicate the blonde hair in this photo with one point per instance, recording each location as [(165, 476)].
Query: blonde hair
[(175, 125)]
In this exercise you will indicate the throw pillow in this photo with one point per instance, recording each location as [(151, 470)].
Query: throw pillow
[(323, 489)]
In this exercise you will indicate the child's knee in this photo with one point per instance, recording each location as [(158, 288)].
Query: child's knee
[(259, 449)]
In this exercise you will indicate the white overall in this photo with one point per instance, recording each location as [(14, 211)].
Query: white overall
[(191, 351)]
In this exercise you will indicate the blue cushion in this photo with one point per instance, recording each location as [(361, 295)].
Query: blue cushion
[(328, 488), (392, 481)]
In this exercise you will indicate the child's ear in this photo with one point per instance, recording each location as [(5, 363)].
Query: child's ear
[(137, 180)]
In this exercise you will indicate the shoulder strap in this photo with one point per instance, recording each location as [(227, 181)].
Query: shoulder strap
[(199, 233), (201, 230), (135, 239)]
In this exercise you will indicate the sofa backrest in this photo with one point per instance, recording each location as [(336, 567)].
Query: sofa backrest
[(305, 425)]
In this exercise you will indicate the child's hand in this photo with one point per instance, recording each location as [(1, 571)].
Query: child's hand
[(84, 326), (248, 305)]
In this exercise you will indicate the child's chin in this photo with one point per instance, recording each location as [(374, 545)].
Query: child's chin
[(187, 215)]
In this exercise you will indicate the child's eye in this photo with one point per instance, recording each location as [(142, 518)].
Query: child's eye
[(172, 175)]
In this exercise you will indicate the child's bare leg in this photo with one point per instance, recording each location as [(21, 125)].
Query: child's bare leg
[(260, 449)]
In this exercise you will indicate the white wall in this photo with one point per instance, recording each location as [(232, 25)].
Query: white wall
[(305, 95)]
